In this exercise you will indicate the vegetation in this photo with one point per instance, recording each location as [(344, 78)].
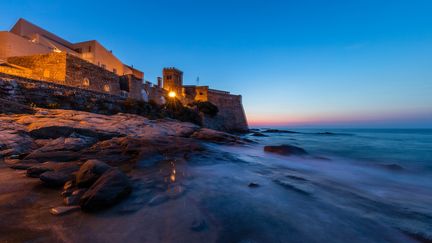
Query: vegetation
[(206, 107)]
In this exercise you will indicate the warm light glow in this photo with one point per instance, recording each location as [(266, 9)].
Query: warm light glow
[(172, 94)]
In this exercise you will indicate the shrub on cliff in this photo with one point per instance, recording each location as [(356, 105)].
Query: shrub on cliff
[(175, 109), (207, 108)]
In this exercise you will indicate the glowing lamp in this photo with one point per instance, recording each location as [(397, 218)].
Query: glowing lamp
[(172, 94)]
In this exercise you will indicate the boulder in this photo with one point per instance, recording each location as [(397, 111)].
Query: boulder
[(115, 152), (36, 170), (110, 188), (215, 136), (258, 134), (285, 150), (58, 178), (74, 197), (89, 172)]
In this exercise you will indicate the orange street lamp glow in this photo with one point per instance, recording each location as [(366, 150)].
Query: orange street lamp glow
[(172, 94)]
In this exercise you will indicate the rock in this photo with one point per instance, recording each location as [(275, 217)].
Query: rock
[(285, 150), (392, 167), (278, 131), (74, 197), (36, 170), (89, 172), (199, 225), (62, 156), (63, 210), (110, 188), (69, 185), (57, 178), (253, 185), (75, 142), (66, 193), (115, 152), (215, 136), (57, 131), (258, 134)]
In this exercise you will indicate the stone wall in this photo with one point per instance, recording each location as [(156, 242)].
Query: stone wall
[(66, 69), (50, 67), (85, 75), (231, 115), (51, 95)]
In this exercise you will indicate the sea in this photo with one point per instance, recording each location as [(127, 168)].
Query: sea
[(353, 185)]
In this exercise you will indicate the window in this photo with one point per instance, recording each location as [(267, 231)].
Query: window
[(168, 77), (114, 70), (106, 88), (89, 49), (86, 82), (103, 66), (79, 50)]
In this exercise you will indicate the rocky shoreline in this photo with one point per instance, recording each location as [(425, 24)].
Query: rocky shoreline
[(87, 156)]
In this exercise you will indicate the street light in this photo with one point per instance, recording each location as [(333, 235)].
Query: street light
[(172, 94)]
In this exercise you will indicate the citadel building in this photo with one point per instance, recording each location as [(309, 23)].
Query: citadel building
[(31, 52)]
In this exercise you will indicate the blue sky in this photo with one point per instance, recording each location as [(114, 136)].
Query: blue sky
[(296, 63)]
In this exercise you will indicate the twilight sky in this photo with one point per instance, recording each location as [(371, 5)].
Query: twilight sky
[(328, 63)]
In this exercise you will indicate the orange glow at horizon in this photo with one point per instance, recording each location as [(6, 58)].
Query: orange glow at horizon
[(268, 119)]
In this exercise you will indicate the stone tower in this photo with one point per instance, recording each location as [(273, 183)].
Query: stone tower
[(173, 80)]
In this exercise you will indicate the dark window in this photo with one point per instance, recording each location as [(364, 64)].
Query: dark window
[(124, 83), (168, 77), (89, 50), (79, 50), (114, 70)]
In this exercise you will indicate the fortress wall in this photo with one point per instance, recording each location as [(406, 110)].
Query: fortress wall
[(47, 94), (231, 115), (50, 67), (77, 70)]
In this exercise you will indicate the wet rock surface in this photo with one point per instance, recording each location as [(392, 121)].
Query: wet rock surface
[(110, 188), (285, 150), (88, 154)]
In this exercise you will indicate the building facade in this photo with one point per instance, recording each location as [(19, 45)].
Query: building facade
[(231, 115), (29, 51)]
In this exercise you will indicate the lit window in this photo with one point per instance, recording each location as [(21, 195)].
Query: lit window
[(86, 82), (106, 88), (46, 73)]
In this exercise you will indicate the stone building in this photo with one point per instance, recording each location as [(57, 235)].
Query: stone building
[(231, 115), (173, 80), (33, 53), (29, 51)]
